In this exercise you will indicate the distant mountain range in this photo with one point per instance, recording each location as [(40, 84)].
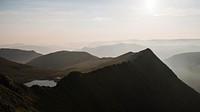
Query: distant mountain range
[(59, 64), (62, 63), (38, 48), (163, 49), (187, 67), (166, 51), (133, 82), (61, 59), (17, 55), (113, 50)]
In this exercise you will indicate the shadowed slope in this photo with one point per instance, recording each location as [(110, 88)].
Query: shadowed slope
[(15, 97)]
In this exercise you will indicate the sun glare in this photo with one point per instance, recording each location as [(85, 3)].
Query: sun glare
[(150, 6)]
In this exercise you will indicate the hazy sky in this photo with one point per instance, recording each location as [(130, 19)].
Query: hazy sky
[(64, 21)]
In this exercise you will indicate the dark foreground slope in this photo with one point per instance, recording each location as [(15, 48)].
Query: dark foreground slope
[(15, 97), (17, 55), (142, 83), (61, 59)]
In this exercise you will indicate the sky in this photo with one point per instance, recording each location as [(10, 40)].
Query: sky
[(50, 22)]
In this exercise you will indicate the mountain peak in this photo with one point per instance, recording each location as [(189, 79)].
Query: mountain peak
[(142, 83), (146, 52)]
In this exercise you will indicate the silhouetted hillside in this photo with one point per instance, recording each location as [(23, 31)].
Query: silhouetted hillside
[(113, 50), (140, 83), (24, 73), (17, 55), (15, 97), (187, 67), (61, 59)]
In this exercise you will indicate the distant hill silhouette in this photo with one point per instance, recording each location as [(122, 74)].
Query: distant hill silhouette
[(15, 97), (139, 83), (17, 55), (24, 73), (113, 50), (61, 59), (166, 51), (187, 67), (162, 48)]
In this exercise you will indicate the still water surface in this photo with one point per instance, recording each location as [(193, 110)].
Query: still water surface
[(49, 83)]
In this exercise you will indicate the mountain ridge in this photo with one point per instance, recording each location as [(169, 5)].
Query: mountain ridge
[(61, 59), (143, 83)]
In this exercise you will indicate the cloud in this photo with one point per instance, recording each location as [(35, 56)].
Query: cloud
[(98, 18), (11, 15), (177, 12)]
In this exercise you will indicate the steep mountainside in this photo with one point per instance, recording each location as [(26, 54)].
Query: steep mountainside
[(187, 67), (140, 83), (24, 73), (61, 59), (113, 50), (15, 97), (17, 55)]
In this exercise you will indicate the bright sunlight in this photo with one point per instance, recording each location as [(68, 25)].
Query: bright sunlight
[(150, 6)]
